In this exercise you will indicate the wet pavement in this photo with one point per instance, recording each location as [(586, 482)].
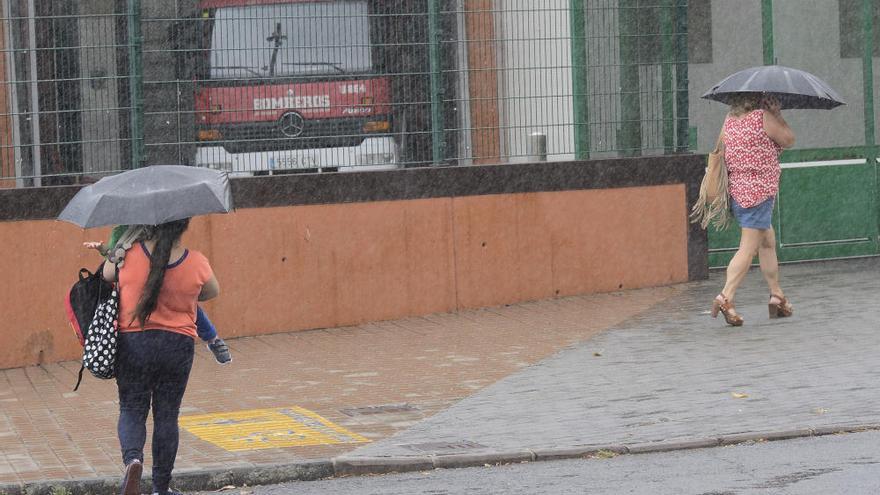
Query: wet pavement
[(296, 397), (673, 374), (631, 369)]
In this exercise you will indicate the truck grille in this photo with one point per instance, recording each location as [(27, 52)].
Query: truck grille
[(326, 133)]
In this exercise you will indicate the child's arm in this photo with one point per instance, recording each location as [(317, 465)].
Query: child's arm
[(104, 249), (99, 246)]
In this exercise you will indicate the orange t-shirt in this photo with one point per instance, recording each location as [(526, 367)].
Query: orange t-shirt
[(176, 308)]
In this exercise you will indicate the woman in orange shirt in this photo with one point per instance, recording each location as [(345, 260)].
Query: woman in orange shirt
[(159, 288)]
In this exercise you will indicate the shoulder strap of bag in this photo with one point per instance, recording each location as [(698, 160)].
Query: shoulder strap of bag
[(720, 143)]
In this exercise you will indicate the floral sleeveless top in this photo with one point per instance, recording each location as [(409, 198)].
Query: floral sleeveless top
[(752, 159)]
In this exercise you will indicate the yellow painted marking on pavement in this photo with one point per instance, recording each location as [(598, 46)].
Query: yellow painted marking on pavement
[(267, 429)]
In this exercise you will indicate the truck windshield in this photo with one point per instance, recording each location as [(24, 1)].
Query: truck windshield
[(290, 39)]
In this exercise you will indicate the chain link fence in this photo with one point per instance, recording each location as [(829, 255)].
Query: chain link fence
[(261, 87)]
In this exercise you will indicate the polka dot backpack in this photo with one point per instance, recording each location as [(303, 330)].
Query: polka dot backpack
[(99, 351)]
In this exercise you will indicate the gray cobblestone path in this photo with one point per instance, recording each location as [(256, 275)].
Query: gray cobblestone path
[(674, 374)]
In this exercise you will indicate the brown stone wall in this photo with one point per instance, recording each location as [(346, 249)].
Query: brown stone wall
[(296, 267)]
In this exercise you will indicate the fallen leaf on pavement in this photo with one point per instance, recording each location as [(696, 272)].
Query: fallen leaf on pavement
[(604, 454)]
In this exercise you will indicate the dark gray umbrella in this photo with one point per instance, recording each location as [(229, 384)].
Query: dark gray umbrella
[(792, 87), (150, 196)]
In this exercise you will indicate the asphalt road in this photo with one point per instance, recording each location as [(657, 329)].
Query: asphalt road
[(837, 464)]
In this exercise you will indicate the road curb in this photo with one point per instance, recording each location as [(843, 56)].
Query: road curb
[(356, 466), (551, 454), (199, 480), (205, 480), (651, 448), (454, 461)]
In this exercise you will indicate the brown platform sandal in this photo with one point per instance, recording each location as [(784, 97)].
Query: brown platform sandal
[(722, 304), (782, 309)]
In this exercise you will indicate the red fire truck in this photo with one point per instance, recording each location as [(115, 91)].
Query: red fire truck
[(292, 85)]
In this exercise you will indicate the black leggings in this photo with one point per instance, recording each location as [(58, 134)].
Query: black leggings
[(154, 367)]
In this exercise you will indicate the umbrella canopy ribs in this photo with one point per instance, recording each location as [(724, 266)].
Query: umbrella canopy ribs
[(150, 196)]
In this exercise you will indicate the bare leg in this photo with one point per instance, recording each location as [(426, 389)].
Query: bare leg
[(749, 242), (769, 262)]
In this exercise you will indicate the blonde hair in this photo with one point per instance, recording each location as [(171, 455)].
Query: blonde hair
[(743, 103)]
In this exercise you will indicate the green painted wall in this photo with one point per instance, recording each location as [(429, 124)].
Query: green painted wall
[(825, 211)]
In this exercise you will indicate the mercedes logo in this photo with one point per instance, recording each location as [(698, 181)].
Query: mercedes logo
[(292, 124)]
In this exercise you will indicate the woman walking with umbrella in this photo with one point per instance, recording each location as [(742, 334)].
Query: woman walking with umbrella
[(754, 135), (159, 287)]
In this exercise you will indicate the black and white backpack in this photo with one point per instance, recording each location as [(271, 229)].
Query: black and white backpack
[(100, 337), (99, 352)]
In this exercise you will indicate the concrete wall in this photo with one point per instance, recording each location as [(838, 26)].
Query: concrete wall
[(807, 36), (333, 250)]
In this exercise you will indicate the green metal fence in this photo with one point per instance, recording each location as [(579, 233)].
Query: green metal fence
[(282, 86), (61, 79), (827, 205)]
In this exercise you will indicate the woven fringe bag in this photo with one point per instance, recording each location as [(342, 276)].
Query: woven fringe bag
[(712, 205)]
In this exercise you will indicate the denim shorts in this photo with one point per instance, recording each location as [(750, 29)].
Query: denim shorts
[(757, 217)]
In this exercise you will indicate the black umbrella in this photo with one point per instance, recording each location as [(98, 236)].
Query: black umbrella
[(150, 196), (792, 87)]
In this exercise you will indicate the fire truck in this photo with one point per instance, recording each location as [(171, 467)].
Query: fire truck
[(291, 86)]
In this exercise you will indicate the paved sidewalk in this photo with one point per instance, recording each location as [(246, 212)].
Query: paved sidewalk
[(366, 382), (521, 382), (673, 375)]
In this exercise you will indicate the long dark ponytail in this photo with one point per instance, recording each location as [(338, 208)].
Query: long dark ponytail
[(164, 235)]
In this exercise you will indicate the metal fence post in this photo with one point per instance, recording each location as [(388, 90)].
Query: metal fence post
[(682, 105), (34, 109), (538, 147), (868, 89), (629, 132), (668, 58), (578, 30), (868, 74), (135, 74), (437, 132), (767, 30)]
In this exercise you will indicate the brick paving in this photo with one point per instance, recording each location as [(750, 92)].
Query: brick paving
[(419, 366), (675, 375)]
